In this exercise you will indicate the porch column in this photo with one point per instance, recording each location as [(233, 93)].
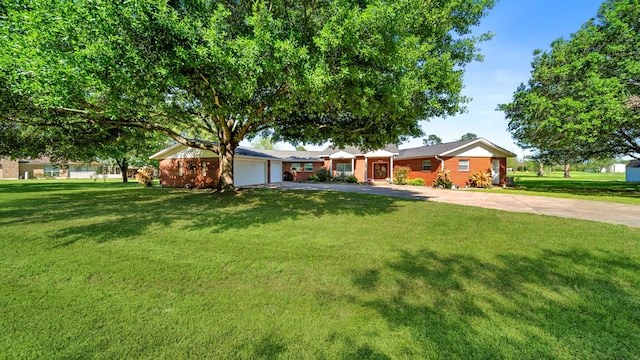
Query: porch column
[(330, 167), (366, 169), (391, 170), (353, 170)]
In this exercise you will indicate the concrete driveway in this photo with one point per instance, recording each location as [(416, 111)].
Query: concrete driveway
[(578, 209)]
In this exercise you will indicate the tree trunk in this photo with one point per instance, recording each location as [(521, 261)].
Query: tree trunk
[(124, 168), (567, 167), (541, 169), (225, 172)]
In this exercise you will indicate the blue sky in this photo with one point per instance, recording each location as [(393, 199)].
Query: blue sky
[(520, 27)]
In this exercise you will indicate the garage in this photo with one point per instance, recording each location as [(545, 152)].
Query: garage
[(275, 171), (249, 172), (182, 166)]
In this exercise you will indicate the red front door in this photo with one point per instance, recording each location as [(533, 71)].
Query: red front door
[(380, 170)]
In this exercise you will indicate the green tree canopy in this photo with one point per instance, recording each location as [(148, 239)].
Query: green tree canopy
[(263, 143), (81, 142), (432, 139), (469, 136), (356, 73), (581, 100)]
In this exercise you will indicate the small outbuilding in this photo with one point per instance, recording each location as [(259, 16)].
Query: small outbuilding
[(633, 171)]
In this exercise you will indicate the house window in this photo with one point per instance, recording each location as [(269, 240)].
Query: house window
[(308, 167), (295, 167), (203, 164), (344, 169), (426, 165), (463, 165), (180, 168), (51, 171)]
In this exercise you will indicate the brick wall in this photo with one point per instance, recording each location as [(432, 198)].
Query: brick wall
[(300, 175), (457, 176), (10, 169), (192, 175)]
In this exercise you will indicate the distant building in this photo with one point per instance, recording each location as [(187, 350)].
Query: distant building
[(633, 171), (45, 168), (615, 168)]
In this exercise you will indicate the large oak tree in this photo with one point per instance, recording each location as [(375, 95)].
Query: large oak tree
[(358, 73), (582, 98)]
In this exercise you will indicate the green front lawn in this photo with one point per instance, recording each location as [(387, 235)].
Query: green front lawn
[(585, 186), (106, 270)]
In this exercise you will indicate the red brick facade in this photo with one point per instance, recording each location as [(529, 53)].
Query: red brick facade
[(189, 173), (458, 177), (301, 174)]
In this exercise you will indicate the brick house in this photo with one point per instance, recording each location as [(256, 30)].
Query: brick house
[(182, 166), (462, 158)]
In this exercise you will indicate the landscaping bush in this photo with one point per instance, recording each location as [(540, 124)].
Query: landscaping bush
[(323, 174), (442, 180), (416, 182), (314, 178), (145, 176), (479, 180), (400, 174), (351, 179)]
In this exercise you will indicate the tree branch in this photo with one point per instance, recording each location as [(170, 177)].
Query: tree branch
[(216, 100)]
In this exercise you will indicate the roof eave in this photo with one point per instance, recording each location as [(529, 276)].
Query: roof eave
[(160, 154)]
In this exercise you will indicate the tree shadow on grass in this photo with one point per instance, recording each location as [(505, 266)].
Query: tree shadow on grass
[(263, 206), (48, 186), (269, 347), (365, 352), (103, 214), (550, 305)]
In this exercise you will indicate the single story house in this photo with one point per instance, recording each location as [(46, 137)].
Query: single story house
[(462, 158), (44, 167), (632, 173), (182, 166)]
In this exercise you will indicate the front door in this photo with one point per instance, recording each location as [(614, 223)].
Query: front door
[(495, 172), (380, 171)]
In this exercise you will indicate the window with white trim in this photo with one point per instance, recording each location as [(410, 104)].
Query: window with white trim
[(295, 167), (308, 167), (344, 169), (426, 165), (203, 164), (463, 165)]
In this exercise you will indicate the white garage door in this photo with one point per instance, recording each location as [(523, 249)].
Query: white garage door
[(276, 171), (249, 172)]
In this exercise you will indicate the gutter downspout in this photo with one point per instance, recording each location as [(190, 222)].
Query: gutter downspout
[(441, 162)]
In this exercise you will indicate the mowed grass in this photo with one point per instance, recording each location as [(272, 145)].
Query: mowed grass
[(105, 270), (607, 187)]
